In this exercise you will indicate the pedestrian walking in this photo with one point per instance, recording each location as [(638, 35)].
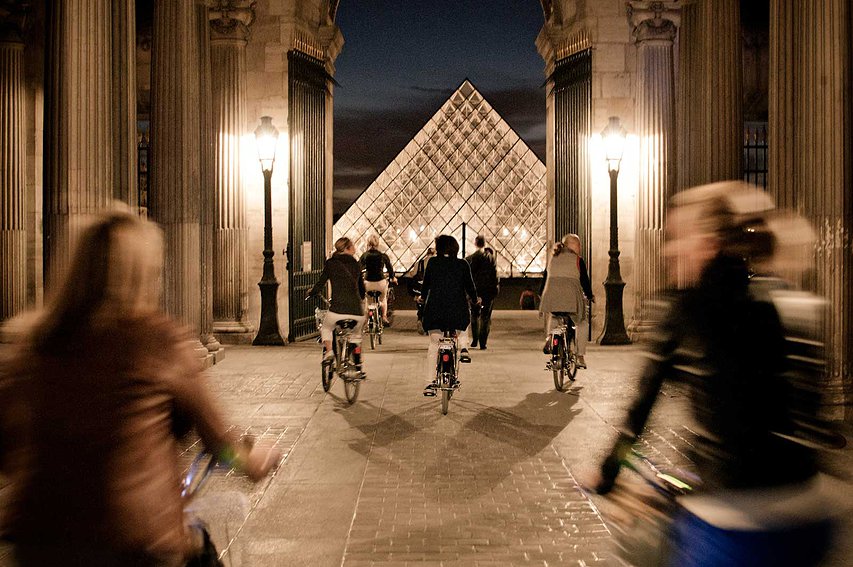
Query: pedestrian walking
[(485, 275)]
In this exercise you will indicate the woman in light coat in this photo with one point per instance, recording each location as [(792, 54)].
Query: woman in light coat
[(567, 290)]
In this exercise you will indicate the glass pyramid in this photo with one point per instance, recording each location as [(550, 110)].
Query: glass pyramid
[(465, 167)]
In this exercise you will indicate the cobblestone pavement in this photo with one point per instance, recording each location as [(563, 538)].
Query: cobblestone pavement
[(390, 481)]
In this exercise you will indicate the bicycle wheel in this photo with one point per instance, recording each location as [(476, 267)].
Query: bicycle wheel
[(379, 328), (372, 334), (445, 401), (328, 370), (572, 360), (558, 367), (351, 388)]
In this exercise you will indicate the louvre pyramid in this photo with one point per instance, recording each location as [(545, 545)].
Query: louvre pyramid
[(466, 165)]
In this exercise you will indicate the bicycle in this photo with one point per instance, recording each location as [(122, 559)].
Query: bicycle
[(446, 370), (343, 363), (642, 518), (374, 319), (563, 346)]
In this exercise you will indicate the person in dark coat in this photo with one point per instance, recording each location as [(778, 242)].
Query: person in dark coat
[(446, 290), (343, 271), (752, 358), (485, 275)]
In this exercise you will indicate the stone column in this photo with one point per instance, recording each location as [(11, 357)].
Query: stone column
[(711, 121), (230, 31), (79, 140), (811, 164), (654, 25), (13, 157), (207, 204), (124, 102), (175, 164)]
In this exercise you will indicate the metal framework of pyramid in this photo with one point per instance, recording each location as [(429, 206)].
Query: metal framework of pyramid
[(465, 167)]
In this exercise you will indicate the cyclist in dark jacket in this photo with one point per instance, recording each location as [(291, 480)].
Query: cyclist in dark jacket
[(446, 290), (724, 336), (342, 270), (375, 265)]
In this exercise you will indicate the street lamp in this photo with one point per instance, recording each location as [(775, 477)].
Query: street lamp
[(614, 322), (266, 136)]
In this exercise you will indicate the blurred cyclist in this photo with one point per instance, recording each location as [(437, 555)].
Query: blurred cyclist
[(752, 367), (91, 405)]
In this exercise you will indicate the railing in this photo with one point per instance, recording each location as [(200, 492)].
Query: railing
[(755, 153)]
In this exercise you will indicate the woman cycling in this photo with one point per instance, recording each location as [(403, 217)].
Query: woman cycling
[(91, 405), (446, 290), (343, 272), (566, 290), (375, 265)]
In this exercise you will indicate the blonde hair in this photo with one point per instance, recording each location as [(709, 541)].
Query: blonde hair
[(373, 241), (571, 242), (342, 243), (114, 272)]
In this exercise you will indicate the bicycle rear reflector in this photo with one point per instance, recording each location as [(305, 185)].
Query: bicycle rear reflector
[(445, 358)]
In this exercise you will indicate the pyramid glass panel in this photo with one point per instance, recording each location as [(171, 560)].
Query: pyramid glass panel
[(465, 166)]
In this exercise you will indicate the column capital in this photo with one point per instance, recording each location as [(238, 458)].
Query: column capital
[(230, 19), (14, 17), (654, 21)]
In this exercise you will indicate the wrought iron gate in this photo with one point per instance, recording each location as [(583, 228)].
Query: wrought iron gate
[(306, 247), (572, 121)]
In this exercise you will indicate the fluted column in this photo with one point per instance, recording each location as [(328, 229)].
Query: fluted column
[(655, 25), (230, 30), (124, 101), (722, 90), (175, 166), (688, 110), (207, 204), (79, 141), (13, 233), (710, 124), (810, 165)]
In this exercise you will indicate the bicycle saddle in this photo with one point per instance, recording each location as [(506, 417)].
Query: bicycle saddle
[(346, 324)]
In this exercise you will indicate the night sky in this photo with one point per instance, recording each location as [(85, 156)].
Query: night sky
[(403, 58)]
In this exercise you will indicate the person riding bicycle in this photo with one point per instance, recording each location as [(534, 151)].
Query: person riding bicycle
[(753, 359), (447, 288), (566, 291), (372, 262), (93, 398), (343, 272)]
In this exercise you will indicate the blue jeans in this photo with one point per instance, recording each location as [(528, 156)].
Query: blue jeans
[(697, 543)]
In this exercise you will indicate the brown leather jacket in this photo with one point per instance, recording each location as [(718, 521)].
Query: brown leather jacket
[(87, 439)]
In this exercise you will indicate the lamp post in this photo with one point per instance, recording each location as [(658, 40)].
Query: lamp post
[(266, 136), (614, 322)]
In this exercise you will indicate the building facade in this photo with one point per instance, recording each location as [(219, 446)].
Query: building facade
[(153, 103)]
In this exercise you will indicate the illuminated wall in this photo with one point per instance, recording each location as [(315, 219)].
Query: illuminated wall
[(466, 165)]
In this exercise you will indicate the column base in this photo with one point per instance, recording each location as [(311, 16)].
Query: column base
[(233, 332)]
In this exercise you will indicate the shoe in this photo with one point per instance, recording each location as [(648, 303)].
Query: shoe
[(386, 322), (429, 391), (547, 348), (581, 361), (482, 347), (474, 344), (464, 356), (328, 356)]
